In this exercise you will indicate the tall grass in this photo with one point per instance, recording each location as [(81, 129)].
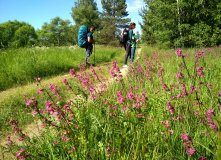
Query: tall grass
[(20, 66), (12, 105), (166, 108)]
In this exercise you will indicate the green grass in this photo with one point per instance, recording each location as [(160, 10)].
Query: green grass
[(21, 66), (117, 125), (51, 64)]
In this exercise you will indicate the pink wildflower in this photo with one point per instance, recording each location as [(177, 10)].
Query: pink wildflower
[(55, 141), (21, 154), (200, 71), (38, 79), (203, 158), (179, 75), (179, 53), (219, 95), (65, 82), (124, 108), (72, 72), (40, 91), (179, 117), (171, 131), (72, 149), (25, 95), (185, 136), (130, 95), (112, 114), (190, 151), (92, 96), (22, 137)]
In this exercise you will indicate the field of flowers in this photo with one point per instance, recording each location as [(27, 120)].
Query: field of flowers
[(167, 107)]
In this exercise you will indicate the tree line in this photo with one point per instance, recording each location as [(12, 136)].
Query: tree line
[(181, 23), (169, 23), (58, 32)]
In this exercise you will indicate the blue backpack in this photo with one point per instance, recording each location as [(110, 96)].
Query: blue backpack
[(82, 36)]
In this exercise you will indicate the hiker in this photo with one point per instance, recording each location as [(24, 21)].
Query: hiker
[(133, 48), (130, 41), (89, 46)]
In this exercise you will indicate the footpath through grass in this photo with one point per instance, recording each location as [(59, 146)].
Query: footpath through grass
[(51, 64)]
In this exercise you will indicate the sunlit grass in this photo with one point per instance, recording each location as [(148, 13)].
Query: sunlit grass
[(167, 107), (21, 66)]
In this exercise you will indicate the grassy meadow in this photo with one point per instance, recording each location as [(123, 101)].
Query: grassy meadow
[(167, 107), (20, 67)]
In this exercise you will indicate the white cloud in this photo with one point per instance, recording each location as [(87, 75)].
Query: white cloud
[(99, 5), (135, 5), (132, 5)]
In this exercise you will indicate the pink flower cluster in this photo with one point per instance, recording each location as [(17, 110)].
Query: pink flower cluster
[(179, 75), (179, 53), (200, 71), (21, 154), (171, 109), (55, 90), (72, 72), (190, 151), (200, 54), (208, 117), (8, 139), (16, 129), (115, 71), (31, 102), (65, 82), (72, 149), (108, 150), (63, 137)]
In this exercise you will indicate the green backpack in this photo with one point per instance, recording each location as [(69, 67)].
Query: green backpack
[(82, 36)]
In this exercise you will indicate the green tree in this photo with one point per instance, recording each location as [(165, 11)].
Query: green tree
[(57, 32), (160, 24), (17, 34), (24, 36), (114, 11), (113, 19), (85, 12), (181, 22)]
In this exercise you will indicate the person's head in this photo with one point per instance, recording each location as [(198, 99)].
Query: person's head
[(92, 29), (132, 26)]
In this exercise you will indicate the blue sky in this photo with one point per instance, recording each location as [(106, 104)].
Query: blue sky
[(36, 12)]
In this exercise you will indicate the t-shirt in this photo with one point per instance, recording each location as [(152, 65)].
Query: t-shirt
[(131, 37), (89, 35)]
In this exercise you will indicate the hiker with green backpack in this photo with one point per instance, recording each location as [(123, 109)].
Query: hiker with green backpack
[(133, 48), (130, 46), (85, 40)]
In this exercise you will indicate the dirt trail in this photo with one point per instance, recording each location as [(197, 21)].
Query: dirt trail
[(35, 129)]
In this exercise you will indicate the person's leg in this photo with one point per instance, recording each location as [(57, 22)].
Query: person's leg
[(88, 53), (128, 50), (132, 54)]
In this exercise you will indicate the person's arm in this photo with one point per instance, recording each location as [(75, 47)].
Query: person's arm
[(89, 40), (130, 35)]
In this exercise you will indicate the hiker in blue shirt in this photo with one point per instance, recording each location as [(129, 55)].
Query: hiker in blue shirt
[(89, 46), (130, 42)]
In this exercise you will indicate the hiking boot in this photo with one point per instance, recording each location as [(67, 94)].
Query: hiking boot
[(125, 66)]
